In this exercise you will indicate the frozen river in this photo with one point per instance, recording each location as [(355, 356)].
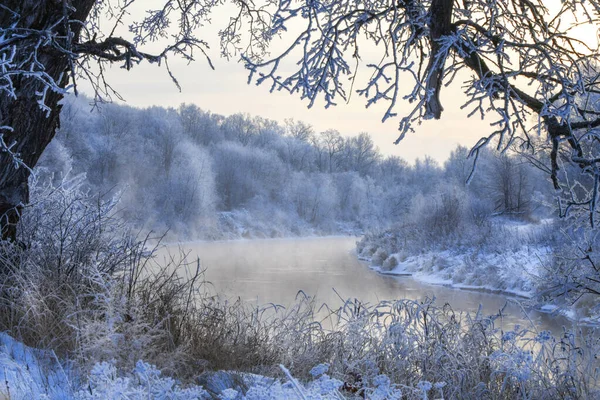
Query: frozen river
[(274, 270)]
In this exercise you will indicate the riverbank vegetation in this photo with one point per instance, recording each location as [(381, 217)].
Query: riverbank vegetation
[(499, 233), (81, 285)]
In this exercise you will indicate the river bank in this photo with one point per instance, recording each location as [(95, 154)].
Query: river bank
[(518, 270)]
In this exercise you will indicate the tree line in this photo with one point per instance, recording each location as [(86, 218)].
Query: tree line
[(189, 171)]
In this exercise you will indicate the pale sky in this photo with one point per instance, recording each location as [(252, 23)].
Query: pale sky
[(225, 91)]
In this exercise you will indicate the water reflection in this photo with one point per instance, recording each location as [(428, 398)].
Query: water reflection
[(275, 270)]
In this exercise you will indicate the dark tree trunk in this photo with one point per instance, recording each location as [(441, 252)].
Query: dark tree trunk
[(440, 24), (32, 127)]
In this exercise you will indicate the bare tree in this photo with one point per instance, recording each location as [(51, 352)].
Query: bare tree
[(332, 143), (299, 130), (509, 186), (521, 61), (362, 153)]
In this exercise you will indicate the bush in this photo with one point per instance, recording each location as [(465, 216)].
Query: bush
[(68, 247), (390, 263), (379, 257), (79, 283)]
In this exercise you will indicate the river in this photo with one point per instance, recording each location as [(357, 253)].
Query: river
[(275, 270)]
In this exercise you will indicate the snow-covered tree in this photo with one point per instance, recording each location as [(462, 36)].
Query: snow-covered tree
[(529, 66), (330, 144)]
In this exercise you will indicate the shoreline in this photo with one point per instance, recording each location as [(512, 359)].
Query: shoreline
[(432, 280)]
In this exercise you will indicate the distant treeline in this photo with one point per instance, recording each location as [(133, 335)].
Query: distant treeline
[(197, 174)]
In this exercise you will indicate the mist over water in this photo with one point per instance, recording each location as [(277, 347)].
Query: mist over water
[(275, 270)]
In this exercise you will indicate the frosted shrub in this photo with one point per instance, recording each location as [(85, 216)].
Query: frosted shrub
[(392, 350), (573, 277), (383, 389), (364, 248), (480, 211), (432, 352), (379, 257), (390, 263), (443, 218), (145, 382), (69, 245), (435, 220), (80, 284)]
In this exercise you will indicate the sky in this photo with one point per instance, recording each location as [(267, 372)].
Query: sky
[(226, 91)]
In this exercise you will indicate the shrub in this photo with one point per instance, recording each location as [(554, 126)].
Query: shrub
[(390, 263), (379, 257)]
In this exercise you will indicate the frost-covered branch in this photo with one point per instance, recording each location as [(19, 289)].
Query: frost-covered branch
[(521, 63)]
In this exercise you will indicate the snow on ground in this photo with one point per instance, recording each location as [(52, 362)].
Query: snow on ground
[(513, 272), (514, 261), (511, 261), (27, 373), (31, 374)]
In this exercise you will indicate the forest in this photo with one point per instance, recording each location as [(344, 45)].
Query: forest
[(200, 175)]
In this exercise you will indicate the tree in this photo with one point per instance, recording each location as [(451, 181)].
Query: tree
[(332, 144), (299, 130), (362, 154), (47, 46), (200, 126), (507, 183), (522, 61)]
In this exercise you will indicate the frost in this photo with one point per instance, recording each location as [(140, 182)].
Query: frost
[(319, 370), (425, 386), (326, 385), (384, 389), (146, 382), (229, 394), (516, 364)]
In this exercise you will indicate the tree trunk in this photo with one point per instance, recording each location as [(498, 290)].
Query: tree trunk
[(440, 24), (31, 127)]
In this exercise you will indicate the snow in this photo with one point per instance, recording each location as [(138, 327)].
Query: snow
[(27, 373), (549, 308), (515, 261), (513, 272)]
